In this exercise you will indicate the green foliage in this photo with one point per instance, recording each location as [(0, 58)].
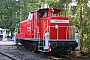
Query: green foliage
[(81, 20)]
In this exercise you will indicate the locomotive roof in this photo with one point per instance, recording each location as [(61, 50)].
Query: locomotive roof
[(47, 9)]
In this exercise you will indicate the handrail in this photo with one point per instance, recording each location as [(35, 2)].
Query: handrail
[(36, 33), (44, 32), (48, 30), (71, 37)]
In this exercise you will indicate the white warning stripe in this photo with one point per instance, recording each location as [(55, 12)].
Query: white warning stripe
[(59, 21)]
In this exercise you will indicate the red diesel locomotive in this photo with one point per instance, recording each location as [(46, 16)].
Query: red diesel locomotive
[(46, 30)]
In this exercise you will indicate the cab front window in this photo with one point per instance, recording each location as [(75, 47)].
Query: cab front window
[(56, 14), (42, 13)]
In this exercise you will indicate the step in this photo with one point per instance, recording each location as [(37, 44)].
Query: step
[(40, 49), (43, 51), (40, 46), (40, 42)]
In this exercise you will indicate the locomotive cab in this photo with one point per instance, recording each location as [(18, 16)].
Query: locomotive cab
[(50, 19), (48, 12)]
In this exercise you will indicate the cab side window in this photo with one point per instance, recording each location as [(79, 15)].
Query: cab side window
[(30, 16), (34, 16)]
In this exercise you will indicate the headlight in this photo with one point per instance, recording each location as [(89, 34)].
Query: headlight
[(56, 26)]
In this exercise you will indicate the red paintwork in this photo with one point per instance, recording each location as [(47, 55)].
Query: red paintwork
[(62, 30), (28, 29)]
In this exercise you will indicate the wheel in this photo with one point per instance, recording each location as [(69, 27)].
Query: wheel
[(35, 49)]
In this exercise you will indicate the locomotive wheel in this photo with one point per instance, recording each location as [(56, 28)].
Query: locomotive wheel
[(17, 44), (28, 45), (21, 47), (34, 46), (25, 46)]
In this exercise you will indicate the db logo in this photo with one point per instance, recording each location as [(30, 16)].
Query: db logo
[(28, 29)]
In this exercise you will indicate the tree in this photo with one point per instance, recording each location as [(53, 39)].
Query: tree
[(82, 22)]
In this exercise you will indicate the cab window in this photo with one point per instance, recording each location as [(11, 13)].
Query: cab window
[(42, 13), (30, 16), (56, 14), (34, 16)]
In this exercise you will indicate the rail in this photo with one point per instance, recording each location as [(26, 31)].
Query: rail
[(11, 57)]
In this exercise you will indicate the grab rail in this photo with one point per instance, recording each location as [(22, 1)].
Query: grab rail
[(72, 32)]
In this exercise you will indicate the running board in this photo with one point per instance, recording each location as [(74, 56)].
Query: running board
[(44, 50)]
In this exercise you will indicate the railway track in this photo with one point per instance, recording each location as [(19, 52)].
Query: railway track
[(21, 55), (29, 55), (26, 55), (8, 56), (69, 57)]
